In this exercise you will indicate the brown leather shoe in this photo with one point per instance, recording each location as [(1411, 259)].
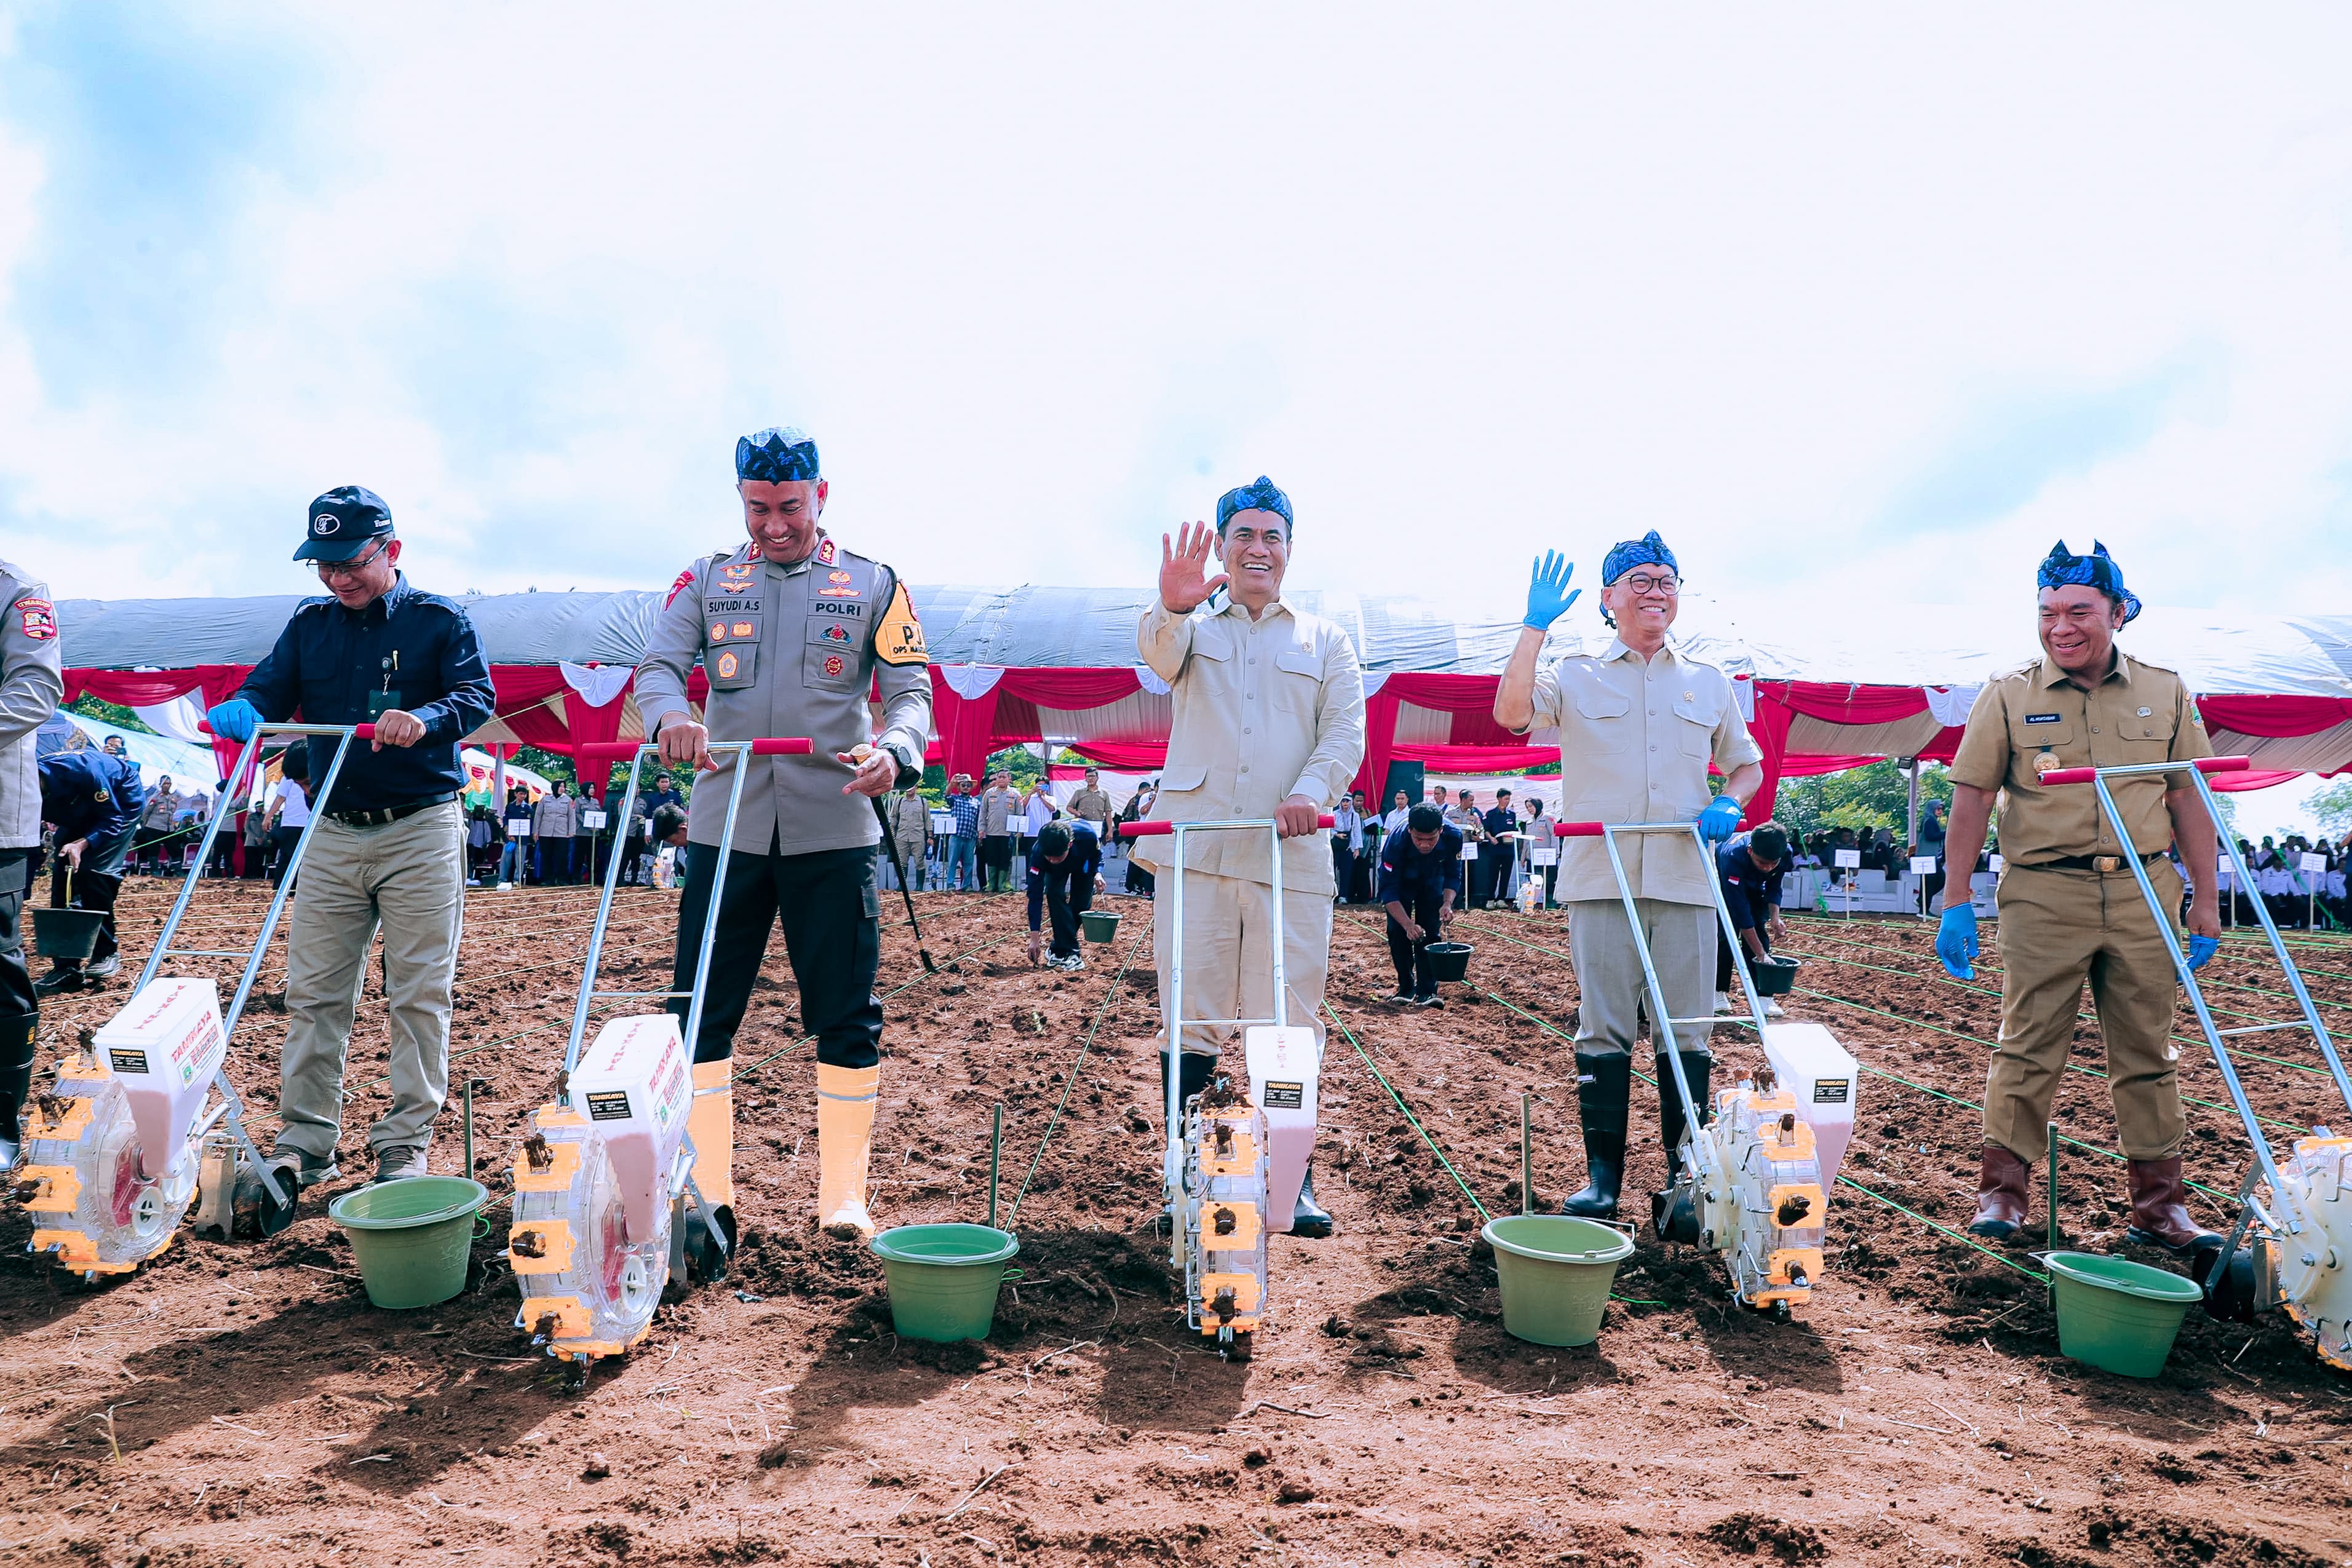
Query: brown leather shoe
[(2160, 1211), (2002, 1186)]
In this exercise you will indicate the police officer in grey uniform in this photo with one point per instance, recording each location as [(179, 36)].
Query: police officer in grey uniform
[(792, 631), (32, 681)]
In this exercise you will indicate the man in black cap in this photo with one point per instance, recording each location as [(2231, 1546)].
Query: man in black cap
[(390, 852)]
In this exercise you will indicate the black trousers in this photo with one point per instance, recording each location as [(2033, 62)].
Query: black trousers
[(16, 999), (1723, 975), (1414, 972), (91, 890), (1343, 867), (831, 912)]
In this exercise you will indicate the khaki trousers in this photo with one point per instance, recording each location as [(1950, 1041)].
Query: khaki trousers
[(2059, 928), (409, 879), (1228, 953), (1611, 989)]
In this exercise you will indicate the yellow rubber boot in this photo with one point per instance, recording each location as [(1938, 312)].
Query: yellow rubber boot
[(711, 1124), (845, 1137)]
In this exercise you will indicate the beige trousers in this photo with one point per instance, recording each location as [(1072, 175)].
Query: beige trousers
[(1612, 992), (1229, 956), (409, 879)]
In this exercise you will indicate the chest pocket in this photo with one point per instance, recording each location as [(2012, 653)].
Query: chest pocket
[(1295, 683), (836, 660), (2149, 739), (1694, 721), (1602, 712), (730, 633)]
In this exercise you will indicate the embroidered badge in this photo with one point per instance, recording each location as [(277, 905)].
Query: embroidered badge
[(742, 628), (727, 666), (834, 663), (38, 617), (898, 640), (835, 631), (824, 552), (838, 577), (2044, 763), (838, 594), (683, 578), (717, 630)]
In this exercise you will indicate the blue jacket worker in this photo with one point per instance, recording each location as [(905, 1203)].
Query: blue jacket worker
[(93, 799), (1420, 882), (387, 845), (1751, 867), (1064, 874)]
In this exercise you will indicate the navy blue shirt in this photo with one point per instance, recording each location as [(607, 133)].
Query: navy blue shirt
[(1406, 873), (91, 794), (418, 651), (1750, 894), (1084, 861)]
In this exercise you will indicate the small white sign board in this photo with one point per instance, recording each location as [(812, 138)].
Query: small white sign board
[(1548, 854), (943, 822), (1997, 863), (1849, 860), (1469, 849), (519, 827), (2313, 863), (592, 820), (1923, 866)]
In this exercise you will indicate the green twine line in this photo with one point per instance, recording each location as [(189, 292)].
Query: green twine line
[(1109, 998), (1484, 1213), (1954, 1235)]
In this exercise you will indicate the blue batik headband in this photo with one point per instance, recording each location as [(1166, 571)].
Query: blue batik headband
[(1261, 496), (774, 456), (2098, 569), (1647, 550)]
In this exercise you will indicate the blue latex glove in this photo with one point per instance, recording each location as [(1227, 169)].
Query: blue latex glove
[(1549, 594), (1956, 941), (2201, 949), (1720, 819), (235, 719)]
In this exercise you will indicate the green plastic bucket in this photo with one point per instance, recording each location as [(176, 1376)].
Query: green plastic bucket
[(1101, 924), (944, 1278), (411, 1237), (2117, 1315), (66, 933), (1555, 1270)]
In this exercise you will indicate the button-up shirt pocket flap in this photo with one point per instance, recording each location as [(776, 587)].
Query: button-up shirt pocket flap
[(1300, 661), (835, 666), (1209, 642), (1191, 776), (1701, 708), (1593, 701), (733, 667), (2157, 726), (2038, 728)]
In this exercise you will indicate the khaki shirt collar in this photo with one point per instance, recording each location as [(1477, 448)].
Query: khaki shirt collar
[(2050, 675), (1618, 650), (1232, 606)]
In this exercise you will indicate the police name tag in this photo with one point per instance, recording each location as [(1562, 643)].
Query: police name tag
[(1923, 866), (1849, 860), (592, 821), (2314, 863)]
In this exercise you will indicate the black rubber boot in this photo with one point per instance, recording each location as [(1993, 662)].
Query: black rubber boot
[(1192, 1074), (16, 1082), (1698, 1067), (1603, 1086), (706, 1262), (1307, 1217)]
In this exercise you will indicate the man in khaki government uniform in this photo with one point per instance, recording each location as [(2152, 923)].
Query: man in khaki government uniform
[(793, 632), (32, 682), (2070, 907), (1268, 722), (1639, 724)]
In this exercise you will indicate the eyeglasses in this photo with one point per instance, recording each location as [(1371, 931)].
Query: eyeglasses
[(1643, 582), (328, 570)]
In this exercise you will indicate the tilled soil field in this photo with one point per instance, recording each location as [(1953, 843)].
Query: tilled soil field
[(243, 1404)]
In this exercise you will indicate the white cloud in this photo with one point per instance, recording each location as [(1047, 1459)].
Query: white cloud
[(1042, 282)]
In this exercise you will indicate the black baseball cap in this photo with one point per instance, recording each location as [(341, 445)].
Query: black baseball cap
[(343, 522)]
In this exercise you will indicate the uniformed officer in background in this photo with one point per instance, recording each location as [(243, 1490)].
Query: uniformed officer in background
[(792, 631), (1267, 722), (2071, 909), (94, 802), (388, 852), (1639, 725), (32, 682)]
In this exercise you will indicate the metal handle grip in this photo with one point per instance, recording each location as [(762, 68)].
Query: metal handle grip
[(362, 731), (1155, 830), (2206, 765)]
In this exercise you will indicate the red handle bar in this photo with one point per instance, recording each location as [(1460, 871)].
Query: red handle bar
[(2202, 765), (622, 750), (1153, 829)]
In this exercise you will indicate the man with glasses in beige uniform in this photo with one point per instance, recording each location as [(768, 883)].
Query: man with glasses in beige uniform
[(1639, 724), (1268, 722)]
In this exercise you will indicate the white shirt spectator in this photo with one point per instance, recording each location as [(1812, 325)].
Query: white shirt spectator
[(293, 804)]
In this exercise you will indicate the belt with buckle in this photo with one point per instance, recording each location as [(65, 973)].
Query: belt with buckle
[(384, 816), (2104, 864)]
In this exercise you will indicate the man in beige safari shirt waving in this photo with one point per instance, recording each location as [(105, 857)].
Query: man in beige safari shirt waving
[(1268, 722)]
